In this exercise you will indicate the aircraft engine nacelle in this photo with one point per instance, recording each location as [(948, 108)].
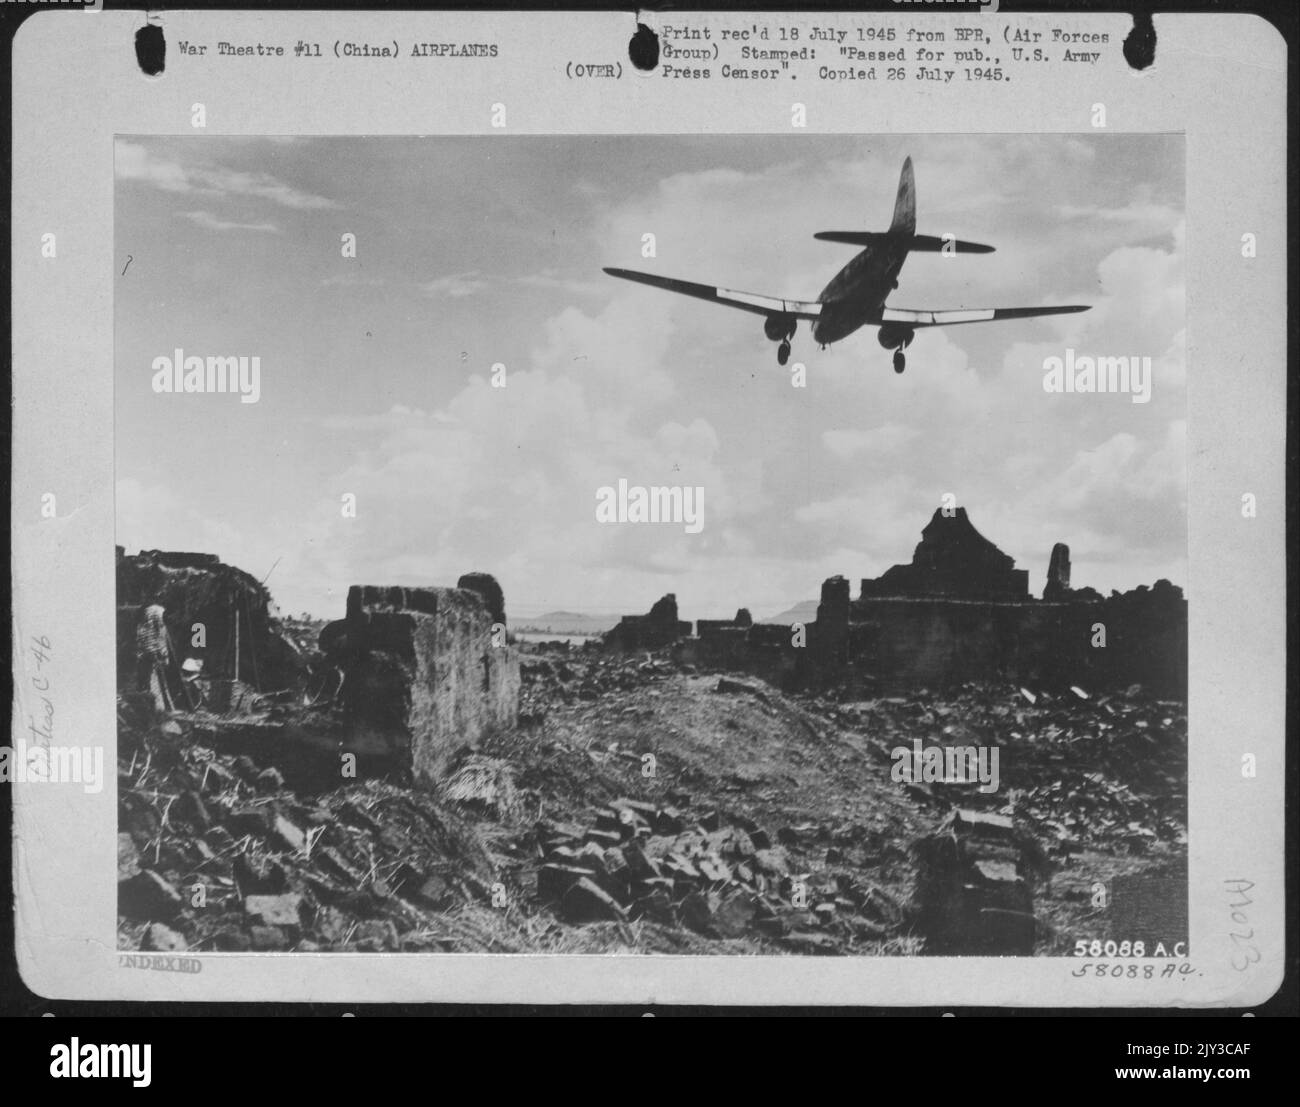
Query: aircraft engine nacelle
[(779, 327), (893, 336)]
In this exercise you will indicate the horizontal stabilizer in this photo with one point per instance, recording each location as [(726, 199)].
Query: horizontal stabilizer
[(923, 242)]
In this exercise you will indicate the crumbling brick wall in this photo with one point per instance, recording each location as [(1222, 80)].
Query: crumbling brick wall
[(423, 666), (656, 629)]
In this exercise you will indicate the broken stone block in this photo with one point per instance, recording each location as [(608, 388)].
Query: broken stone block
[(269, 780), (248, 820), (288, 835), (423, 668), (693, 910), (734, 915), (279, 910), (148, 896), (586, 901), (163, 939), (434, 891), (267, 939), (190, 808), (555, 880), (128, 858), (230, 941)]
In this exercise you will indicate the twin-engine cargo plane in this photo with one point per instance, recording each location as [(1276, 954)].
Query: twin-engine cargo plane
[(856, 296)]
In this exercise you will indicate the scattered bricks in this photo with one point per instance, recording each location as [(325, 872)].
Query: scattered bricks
[(163, 939), (148, 896), (604, 837), (128, 858), (588, 902), (279, 910), (773, 861)]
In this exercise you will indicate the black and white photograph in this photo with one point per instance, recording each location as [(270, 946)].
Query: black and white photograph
[(650, 512), (483, 586)]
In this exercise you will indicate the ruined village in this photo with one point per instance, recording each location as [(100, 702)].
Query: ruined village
[(413, 776)]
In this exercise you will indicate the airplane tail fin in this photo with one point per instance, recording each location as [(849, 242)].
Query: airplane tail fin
[(905, 206)]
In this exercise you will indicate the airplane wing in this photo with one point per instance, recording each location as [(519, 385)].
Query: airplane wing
[(746, 301), (914, 318)]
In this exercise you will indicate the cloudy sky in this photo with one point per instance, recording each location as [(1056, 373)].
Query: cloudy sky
[(376, 370)]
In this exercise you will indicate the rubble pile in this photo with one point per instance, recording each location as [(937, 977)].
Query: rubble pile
[(1085, 769), (588, 676), (214, 853), (722, 879)]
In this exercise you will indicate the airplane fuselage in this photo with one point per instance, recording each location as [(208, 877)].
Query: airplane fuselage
[(857, 292)]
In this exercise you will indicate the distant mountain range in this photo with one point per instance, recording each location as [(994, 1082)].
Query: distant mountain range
[(574, 622), (803, 612), (568, 622)]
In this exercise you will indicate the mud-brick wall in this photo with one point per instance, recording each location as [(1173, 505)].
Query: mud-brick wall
[(949, 641), (423, 666), (939, 641)]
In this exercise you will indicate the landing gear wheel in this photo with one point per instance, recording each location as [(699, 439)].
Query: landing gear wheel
[(783, 353), (900, 362)]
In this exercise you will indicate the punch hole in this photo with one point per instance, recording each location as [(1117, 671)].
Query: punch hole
[(643, 48), (1140, 45), (151, 49)]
